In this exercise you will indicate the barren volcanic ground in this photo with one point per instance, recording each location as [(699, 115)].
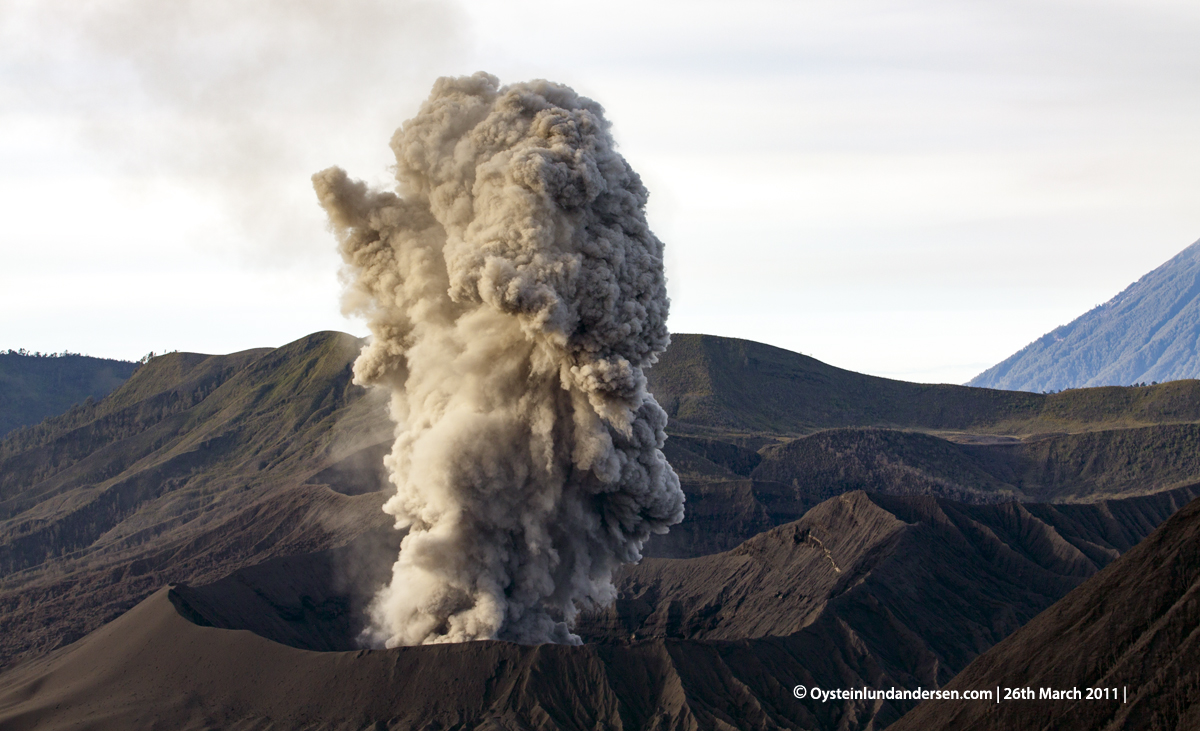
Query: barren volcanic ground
[(864, 590), (1131, 630), (192, 551)]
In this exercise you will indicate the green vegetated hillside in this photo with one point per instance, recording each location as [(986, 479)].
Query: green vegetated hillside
[(34, 387)]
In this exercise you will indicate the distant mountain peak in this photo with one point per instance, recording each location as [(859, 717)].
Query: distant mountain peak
[(1148, 332)]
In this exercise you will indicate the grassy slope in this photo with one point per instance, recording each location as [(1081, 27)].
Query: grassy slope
[(731, 387), (33, 388)]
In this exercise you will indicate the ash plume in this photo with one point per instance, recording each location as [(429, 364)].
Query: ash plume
[(515, 294)]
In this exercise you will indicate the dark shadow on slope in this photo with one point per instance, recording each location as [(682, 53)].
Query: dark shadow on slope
[(315, 601), (359, 473), (1131, 628)]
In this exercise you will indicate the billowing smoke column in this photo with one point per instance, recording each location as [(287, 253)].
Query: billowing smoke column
[(515, 295)]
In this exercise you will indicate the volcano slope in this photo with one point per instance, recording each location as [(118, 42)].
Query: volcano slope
[(1131, 629), (734, 492), (761, 434), (748, 391), (863, 590), (196, 466), (200, 465), (152, 667)]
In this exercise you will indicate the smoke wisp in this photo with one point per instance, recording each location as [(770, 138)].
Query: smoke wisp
[(515, 294)]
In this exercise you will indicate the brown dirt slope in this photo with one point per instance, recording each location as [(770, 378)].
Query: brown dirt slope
[(194, 467), (200, 465), (1132, 627), (735, 493), (1053, 468), (864, 590), (953, 578)]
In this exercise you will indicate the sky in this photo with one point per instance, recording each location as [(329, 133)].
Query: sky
[(909, 188)]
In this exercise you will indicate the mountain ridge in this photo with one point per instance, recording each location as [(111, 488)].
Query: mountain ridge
[(34, 387), (199, 465), (255, 474), (1130, 628), (1149, 332), (743, 390)]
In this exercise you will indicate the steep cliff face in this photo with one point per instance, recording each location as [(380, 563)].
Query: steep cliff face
[(1149, 332)]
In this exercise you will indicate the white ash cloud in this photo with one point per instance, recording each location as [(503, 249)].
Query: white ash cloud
[(515, 294)]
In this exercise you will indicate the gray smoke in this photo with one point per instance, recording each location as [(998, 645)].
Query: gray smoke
[(515, 295)]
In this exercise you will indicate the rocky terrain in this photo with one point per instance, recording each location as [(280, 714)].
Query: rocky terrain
[(1131, 629), (841, 530), (196, 466), (863, 590)]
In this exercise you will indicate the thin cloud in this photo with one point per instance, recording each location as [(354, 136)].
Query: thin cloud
[(234, 101)]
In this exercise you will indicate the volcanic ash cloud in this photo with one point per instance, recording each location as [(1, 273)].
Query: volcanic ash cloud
[(515, 295)]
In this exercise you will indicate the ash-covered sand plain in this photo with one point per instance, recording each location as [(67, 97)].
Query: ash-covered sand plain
[(196, 550)]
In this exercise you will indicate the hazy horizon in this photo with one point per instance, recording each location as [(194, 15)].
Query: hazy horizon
[(914, 191)]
